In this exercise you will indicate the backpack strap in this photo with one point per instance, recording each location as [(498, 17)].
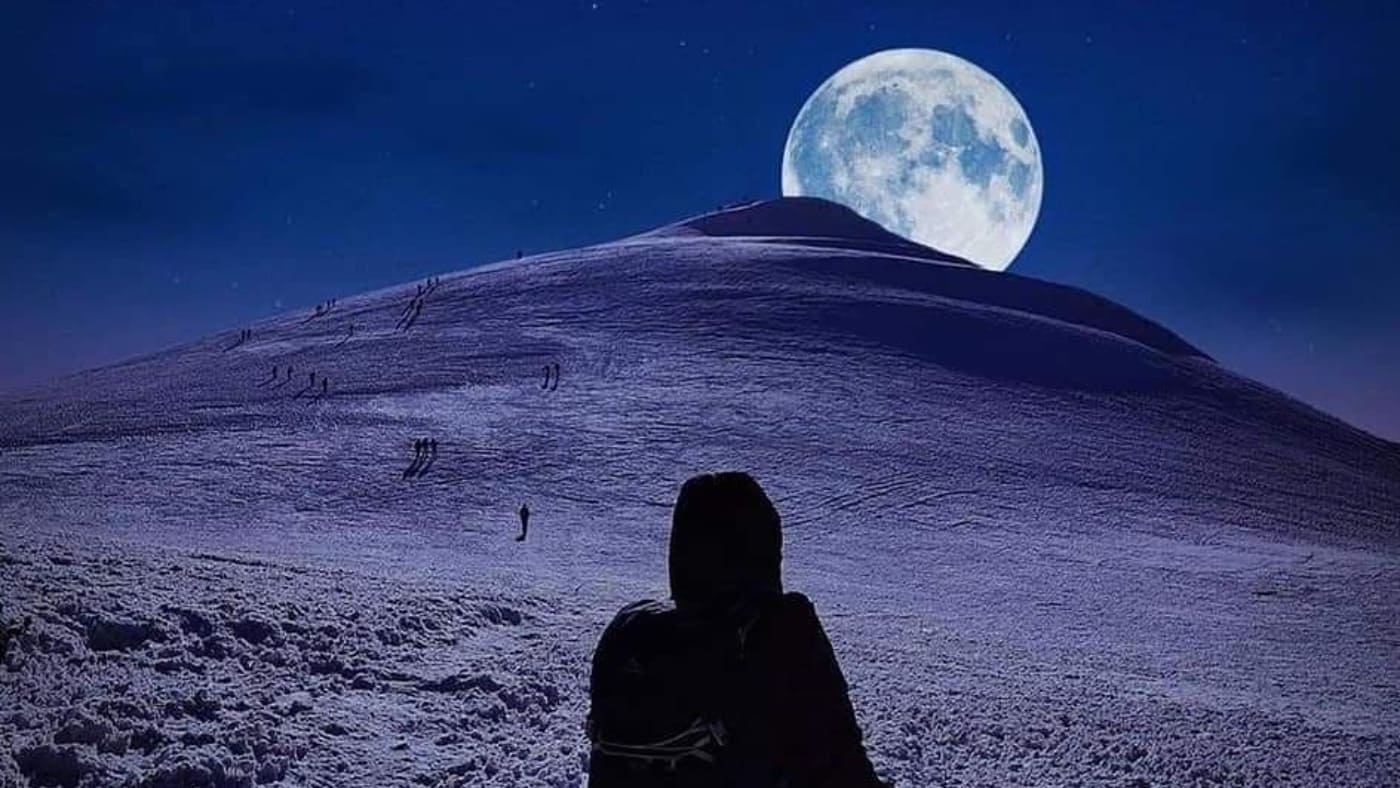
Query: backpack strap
[(697, 741)]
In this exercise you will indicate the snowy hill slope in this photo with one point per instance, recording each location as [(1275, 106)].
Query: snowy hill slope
[(1052, 540)]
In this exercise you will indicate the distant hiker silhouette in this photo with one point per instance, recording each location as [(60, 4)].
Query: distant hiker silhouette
[(555, 387), (524, 522), (545, 386), (731, 682), (325, 385), (429, 456), (519, 254), (418, 446)]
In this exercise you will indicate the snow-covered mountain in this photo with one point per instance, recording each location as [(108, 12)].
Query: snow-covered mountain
[(1053, 542)]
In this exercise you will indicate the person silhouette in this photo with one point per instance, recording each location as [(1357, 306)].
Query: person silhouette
[(429, 456), (555, 387), (524, 522), (731, 681), (417, 458), (325, 385)]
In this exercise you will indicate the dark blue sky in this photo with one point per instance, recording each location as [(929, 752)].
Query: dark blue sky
[(1227, 169)]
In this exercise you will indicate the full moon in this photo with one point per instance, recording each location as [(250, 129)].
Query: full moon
[(926, 144)]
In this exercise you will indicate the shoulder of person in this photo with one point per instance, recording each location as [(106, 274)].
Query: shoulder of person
[(790, 613), (642, 609), (794, 603), (629, 623), (637, 614)]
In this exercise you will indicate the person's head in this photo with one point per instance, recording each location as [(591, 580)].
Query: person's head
[(726, 541)]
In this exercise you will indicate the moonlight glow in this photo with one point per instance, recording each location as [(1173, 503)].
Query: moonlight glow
[(926, 144)]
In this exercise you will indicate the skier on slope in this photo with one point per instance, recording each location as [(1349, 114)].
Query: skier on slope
[(732, 682)]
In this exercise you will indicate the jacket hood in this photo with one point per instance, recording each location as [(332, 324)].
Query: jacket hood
[(726, 542)]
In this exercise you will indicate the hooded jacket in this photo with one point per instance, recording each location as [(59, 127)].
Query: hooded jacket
[(790, 712)]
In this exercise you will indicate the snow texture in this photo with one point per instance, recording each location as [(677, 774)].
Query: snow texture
[(1052, 542)]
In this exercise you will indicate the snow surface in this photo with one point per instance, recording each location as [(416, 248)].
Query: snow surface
[(1053, 543)]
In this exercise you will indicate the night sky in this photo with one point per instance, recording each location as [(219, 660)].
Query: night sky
[(1228, 170)]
